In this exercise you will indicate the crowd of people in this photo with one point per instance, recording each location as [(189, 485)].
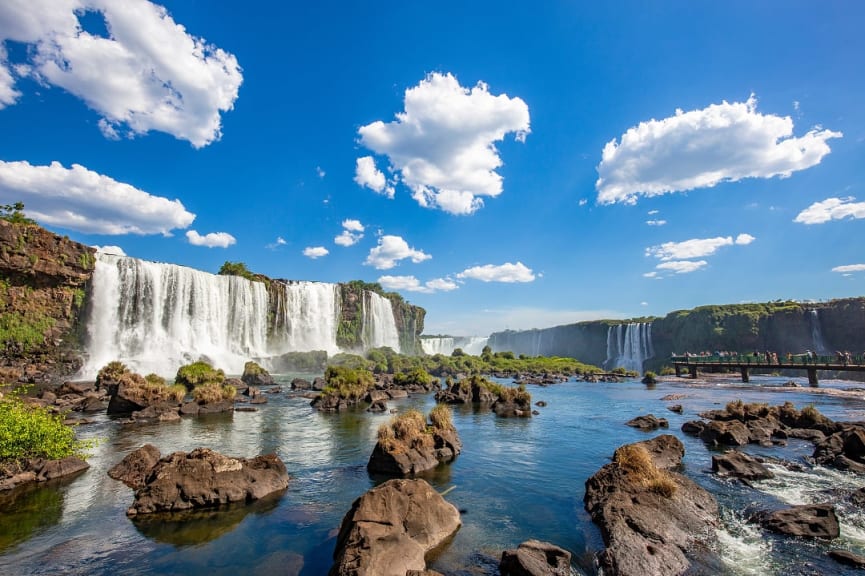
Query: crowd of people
[(769, 357)]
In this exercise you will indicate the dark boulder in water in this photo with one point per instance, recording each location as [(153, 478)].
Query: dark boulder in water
[(204, 478), (648, 422), (740, 465), (390, 530), (807, 521)]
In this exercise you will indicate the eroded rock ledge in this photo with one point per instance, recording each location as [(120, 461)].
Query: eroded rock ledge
[(653, 520)]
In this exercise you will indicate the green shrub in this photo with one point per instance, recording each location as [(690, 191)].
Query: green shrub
[(668, 371), (24, 330), (347, 383), (33, 432), (416, 377), (649, 377), (253, 369), (197, 374)]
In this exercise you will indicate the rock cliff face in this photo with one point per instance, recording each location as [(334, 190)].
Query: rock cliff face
[(781, 326), (409, 318), (43, 288)]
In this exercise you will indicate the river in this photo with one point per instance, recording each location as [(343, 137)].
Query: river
[(516, 479)]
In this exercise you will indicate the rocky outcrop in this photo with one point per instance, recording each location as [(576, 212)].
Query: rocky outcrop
[(44, 279), (408, 445), (740, 465), (135, 467), (391, 529), (14, 474), (653, 520), (255, 375), (204, 478), (535, 558), (648, 423), (807, 521)]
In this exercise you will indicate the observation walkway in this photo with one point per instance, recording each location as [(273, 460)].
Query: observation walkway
[(747, 362)]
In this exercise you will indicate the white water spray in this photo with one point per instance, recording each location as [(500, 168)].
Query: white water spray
[(629, 345)]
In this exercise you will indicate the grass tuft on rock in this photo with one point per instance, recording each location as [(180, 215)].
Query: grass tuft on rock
[(637, 463)]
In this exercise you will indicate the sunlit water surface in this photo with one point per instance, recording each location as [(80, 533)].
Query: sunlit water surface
[(516, 479)]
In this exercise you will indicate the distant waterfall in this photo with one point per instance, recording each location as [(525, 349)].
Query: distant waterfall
[(473, 345), (157, 317), (438, 345), (817, 334), (629, 345), (379, 325)]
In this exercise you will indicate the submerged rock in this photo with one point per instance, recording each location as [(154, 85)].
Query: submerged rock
[(204, 478), (535, 558), (648, 422), (390, 530), (652, 522)]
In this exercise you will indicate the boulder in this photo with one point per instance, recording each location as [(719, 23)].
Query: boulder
[(52, 469), (204, 478), (535, 558), (391, 529), (377, 406), (730, 433), (648, 422), (301, 384), (135, 467), (677, 408), (647, 532), (848, 558), (740, 465), (693, 427), (395, 393), (806, 521), (318, 383), (15, 473), (255, 375)]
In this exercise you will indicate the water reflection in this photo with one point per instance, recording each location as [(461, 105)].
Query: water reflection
[(28, 510), (194, 527)]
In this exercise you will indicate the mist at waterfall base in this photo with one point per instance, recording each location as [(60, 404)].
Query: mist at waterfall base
[(157, 317), (516, 479)]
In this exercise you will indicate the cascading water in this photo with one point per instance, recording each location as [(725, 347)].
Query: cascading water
[(473, 345), (379, 325), (157, 317), (629, 345), (438, 345), (817, 334), (306, 317)]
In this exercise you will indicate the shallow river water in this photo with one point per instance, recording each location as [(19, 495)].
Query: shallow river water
[(516, 479)]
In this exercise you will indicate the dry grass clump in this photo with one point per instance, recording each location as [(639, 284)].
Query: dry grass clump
[(637, 463), (441, 417), (213, 392), (742, 411), (145, 390), (405, 431)]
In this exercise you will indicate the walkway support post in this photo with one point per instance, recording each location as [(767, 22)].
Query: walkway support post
[(678, 371), (693, 371), (746, 376), (812, 377)]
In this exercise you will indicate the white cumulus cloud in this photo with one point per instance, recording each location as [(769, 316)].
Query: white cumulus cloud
[(656, 222), (367, 174), (831, 209), (412, 284), (442, 146), (701, 148), (79, 199), (507, 272), (849, 268), (148, 74), (315, 252), (210, 240), (392, 249), (115, 250), (682, 266), (352, 232), (695, 248)]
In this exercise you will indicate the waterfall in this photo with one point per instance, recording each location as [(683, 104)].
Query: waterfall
[(157, 317), (438, 345), (473, 345), (379, 325), (629, 345), (306, 317), (816, 334)]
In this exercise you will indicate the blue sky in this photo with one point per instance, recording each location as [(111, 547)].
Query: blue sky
[(502, 164)]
